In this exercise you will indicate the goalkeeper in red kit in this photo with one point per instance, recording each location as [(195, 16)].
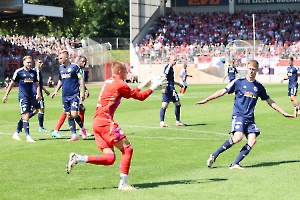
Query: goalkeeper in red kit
[(107, 132)]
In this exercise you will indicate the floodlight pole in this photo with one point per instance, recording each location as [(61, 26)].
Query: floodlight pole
[(130, 22), (253, 23)]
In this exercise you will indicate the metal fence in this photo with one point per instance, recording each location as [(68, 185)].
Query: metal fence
[(97, 55), (116, 43)]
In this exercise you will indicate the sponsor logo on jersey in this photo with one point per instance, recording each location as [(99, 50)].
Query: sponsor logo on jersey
[(28, 80), (65, 75), (250, 94)]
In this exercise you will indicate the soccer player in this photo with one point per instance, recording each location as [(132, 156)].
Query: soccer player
[(107, 132), (26, 78), (81, 61), (247, 90), (69, 76), (38, 105), (292, 76), (231, 71), (38, 68), (183, 76), (170, 94)]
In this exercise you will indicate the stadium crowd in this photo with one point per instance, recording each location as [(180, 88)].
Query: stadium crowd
[(184, 35), (14, 48), (189, 34)]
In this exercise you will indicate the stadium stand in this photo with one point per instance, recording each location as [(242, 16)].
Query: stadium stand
[(188, 34)]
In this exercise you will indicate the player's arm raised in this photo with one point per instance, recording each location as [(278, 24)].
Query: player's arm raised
[(285, 78)]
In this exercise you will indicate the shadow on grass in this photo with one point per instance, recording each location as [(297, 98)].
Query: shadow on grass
[(178, 182), (267, 164), (53, 138), (65, 138), (157, 184), (263, 164), (195, 124)]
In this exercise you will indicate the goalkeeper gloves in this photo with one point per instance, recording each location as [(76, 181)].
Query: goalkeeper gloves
[(158, 83)]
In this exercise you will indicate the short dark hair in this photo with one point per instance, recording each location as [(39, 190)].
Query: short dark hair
[(64, 51)]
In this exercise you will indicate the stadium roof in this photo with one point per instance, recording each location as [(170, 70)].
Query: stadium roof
[(18, 9)]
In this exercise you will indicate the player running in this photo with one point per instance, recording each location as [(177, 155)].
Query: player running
[(247, 91), (108, 134)]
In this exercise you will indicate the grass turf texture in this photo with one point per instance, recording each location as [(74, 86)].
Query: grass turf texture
[(168, 163)]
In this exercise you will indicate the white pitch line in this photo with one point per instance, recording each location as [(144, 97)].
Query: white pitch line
[(160, 137), (177, 129)]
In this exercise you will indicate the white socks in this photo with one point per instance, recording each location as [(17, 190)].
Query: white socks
[(80, 158), (123, 180)]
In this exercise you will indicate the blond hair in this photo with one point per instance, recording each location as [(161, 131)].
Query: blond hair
[(254, 63), (117, 66), (26, 57)]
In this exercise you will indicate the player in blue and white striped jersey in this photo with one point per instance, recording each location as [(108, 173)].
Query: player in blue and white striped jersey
[(247, 91)]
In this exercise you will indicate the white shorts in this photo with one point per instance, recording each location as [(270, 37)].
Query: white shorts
[(184, 83)]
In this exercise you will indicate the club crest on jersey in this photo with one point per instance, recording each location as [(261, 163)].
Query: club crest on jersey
[(255, 89), (69, 70)]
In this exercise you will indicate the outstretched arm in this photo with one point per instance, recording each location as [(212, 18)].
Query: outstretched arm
[(216, 95), (285, 78), (8, 91), (277, 108)]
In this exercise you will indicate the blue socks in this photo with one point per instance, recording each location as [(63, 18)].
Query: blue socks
[(72, 125), (162, 114), (41, 119), (243, 153), (177, 112), (227, 144), (26, 127)]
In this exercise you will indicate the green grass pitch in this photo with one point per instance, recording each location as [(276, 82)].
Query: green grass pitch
[(168, 163)]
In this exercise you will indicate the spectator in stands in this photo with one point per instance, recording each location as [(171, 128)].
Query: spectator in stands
[(131, 78), (222, 28)]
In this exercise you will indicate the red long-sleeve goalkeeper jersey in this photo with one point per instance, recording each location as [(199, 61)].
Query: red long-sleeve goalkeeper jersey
[(110, 96)]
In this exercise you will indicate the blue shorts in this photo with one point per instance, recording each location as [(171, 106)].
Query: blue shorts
[(39, 104), (292, 91), (170, 96), (239, 124), (71, 103), (26, 104)]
